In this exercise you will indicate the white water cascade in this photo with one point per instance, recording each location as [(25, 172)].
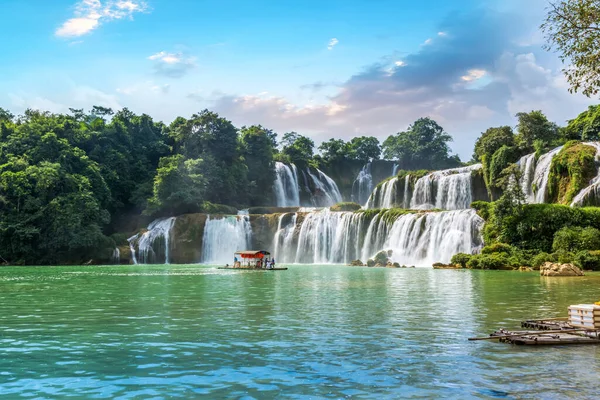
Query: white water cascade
[(534, 175), (286, 188), (116, 256), (363, 185), (224, 236), (327, 192), (284, 238), (147, 243), (449, 189)]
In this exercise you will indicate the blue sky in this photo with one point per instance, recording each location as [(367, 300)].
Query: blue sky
[(322, 68)]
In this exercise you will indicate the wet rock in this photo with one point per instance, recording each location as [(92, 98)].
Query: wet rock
[(439, 265), (525, 269), (555, 269), (371, 263), (357, 263)]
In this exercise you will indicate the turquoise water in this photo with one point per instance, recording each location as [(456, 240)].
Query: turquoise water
[(307, 333)]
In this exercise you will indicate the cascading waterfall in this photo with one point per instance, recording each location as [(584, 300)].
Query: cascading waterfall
[(116, 256), (224, 236), (327, 192), (328, 237), (590, 195), (422, 239), (406, 197), (286, 188), (448, 189), (395, 169), (527, 169), (534, 180), (149, 247), (363, 185), (284, 238)]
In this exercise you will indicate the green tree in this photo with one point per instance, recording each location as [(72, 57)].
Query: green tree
[(493, 139), (586, 126), (534, 126), (364, 148), (334, 150), (257, 149), (298, 148), (423, 146), (572, 28)]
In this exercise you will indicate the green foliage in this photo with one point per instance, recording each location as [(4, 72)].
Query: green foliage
[(541, 258), (423, 146), (363, 149), (571, 170), (298, 148), (586, 126), (534, 126), (574, 239), (483, 208), (257, 148), (461, 259), (490, 261), (588, 260), (347, 206), (210, 208), (493, 139), (497, 248), (500, 160), (571, 27), (381, 258)]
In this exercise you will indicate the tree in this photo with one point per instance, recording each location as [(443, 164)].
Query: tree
[(257, 144), (534, 126), (493, 139), (572, 28), (334, 150), (586, 126), (364, 148), (298, 148), (423, 146)]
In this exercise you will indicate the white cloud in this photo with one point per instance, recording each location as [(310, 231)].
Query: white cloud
[(173, 65), (332, 43), (90, 14), (400, 63), (442, 34), (428, 41), (473, 75)]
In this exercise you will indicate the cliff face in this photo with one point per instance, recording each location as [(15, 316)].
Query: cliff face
[(186, 238)]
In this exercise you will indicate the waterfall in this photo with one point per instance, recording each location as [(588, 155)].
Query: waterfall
[(286, 188), (448, 189), (283, 249), (363, 185), (527, 169), (395, 169), (327, 192), (541, 174), (590, 195), (224, 236), (329, 237), (148, 244), (406, 197), (414, 238), (384, 195), (422, 239), (116, 256)]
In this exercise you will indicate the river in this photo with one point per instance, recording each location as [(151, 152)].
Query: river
[(156, 331)]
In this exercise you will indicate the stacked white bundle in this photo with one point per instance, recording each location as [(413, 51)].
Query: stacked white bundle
[(585, 316)]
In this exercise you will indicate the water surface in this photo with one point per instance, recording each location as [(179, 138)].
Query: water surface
[(307, 333)]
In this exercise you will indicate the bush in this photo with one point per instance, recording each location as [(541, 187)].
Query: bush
[(483, 208), (497, 248), (461, 259), (589, 260), (473, 262), (348, 206), (490, 261), (541, 258), (576, 239), (211, 208), (381, 258)]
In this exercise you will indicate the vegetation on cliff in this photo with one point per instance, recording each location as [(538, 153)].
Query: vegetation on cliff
[(571, 170)]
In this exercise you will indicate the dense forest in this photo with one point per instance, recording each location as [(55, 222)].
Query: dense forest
[(71, 186)]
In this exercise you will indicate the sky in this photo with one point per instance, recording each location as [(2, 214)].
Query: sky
[(323, 68)]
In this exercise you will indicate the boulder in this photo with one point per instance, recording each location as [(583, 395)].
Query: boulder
[(555, 269), (439, 265), (371, 263), (356, 263), (525, 269)]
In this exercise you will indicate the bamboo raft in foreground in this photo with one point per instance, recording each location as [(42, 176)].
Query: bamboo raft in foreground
[(549, 331)]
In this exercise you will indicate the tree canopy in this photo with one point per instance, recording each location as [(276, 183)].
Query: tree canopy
[(572, 28), (423, 146)]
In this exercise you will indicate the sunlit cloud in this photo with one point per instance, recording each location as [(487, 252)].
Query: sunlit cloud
[(332, 43), (90, 14), (173, 65)]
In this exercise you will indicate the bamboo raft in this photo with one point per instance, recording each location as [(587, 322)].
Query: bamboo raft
[(548, 331)]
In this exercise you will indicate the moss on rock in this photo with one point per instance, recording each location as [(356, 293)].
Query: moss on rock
[(347, 206), (571, 170), (186, 238)]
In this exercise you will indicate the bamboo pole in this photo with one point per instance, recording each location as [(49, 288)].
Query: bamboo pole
[(527, 334)]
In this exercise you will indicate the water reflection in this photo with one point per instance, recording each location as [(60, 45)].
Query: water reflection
[(311, 331)]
